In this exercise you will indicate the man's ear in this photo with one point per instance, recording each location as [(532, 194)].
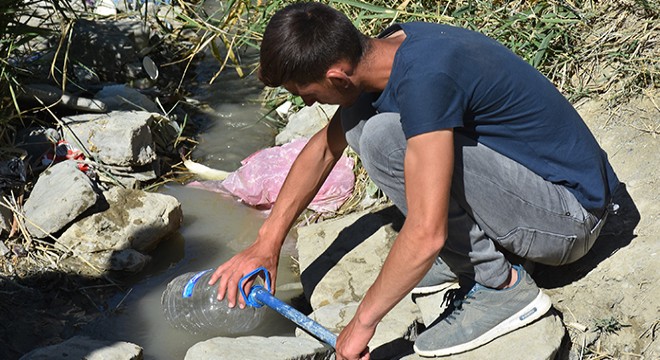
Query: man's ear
[(339, 75)]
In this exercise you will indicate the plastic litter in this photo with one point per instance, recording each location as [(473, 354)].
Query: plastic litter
[(65, 151), (259, 180), (189, 303)]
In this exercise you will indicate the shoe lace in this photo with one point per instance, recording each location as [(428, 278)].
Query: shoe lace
[(454, 300)]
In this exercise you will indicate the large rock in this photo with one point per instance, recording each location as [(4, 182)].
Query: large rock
[(393, 335), (61, 194), (306, 122), (117, 138), (341, 258), (49, 95), (115, 239), (122, 97), (81, 347), (259, 348)]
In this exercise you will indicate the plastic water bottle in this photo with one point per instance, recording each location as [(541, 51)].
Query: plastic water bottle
[(189, 303)]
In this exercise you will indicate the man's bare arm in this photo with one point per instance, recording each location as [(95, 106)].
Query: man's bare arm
[(428, 172), (307, 174)]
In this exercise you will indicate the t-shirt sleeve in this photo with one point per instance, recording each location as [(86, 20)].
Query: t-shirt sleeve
[(429, 102)]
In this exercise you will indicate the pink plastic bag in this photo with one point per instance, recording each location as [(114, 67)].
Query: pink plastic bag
[(259, 180)]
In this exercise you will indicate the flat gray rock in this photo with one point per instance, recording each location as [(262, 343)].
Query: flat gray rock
[(120, 138), (340, 258), (259, 348), (114, 239), (60, 195), (306, 122), (122, 97), (81, 347), (393, 335)]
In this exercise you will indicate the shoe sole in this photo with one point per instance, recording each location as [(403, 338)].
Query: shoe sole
[(527, 315), (433, 289)]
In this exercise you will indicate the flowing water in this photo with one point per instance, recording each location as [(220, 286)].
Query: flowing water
[(215, 227)]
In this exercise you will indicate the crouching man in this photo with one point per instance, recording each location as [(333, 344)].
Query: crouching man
[(476, 147)]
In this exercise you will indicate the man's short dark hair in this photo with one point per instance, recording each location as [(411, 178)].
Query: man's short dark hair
[(303, 40)]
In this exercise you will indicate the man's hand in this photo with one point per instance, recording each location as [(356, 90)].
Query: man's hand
[(353, 340), (230, 273)]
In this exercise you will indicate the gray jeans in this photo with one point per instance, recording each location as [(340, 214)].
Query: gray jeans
[(495, 202)]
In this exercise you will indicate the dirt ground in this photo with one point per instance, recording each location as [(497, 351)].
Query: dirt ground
[(614, 292)]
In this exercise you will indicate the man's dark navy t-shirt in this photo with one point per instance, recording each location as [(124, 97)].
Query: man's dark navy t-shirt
[(447, 77)]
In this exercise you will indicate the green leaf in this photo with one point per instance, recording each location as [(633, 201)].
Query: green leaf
[(540, 53), (366, 6)]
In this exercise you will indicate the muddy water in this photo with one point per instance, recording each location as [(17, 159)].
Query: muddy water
[(215, 228)]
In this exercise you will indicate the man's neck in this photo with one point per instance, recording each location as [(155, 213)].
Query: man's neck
[(373, 71)]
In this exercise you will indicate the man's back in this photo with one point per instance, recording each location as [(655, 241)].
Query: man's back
[(448, 77)]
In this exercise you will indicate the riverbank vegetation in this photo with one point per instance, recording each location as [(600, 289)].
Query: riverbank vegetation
[(586, 48)]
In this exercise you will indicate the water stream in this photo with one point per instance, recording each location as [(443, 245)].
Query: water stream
[(215, 227)]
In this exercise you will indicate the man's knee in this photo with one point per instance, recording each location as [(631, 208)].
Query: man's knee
[(381, 136)]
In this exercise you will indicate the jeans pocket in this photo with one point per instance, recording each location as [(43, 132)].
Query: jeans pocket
[(540, 246)]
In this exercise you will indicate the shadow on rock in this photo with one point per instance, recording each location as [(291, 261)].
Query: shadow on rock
[(393, 350), (53, 306), (46, 308), (347, 240), (617, 233)]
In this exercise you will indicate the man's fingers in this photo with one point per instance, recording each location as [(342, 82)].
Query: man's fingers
[(273, 278), (222, 286), (232, 291), (365, 355), (247, 286), (216, 275)]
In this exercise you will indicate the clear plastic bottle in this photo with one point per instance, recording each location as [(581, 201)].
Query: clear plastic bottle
[(189, 303)]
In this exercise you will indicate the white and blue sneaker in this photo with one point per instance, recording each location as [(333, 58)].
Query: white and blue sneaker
[(482, 314)]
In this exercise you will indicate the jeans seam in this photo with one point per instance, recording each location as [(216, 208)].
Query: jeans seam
[(567, 250), (390, 168), (544, 210)]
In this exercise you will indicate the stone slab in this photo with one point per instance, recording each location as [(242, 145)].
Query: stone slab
[(393, 335), (259, 348), (340, 259), (306, 122), (121, 138), (81, 347), (134, 220), (61, 194)]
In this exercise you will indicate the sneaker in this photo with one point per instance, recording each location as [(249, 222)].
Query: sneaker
[(438, 278), (481, 315)]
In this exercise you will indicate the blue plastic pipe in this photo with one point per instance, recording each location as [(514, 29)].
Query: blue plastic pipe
[(260, 296)]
